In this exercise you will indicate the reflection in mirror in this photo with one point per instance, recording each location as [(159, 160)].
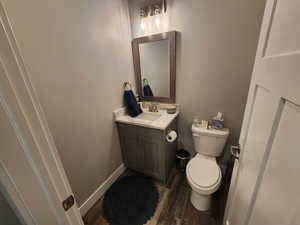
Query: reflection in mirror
[(155, 68), (154, 60)]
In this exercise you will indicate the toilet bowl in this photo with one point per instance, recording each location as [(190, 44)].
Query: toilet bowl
[(202, 172), (204, 176)]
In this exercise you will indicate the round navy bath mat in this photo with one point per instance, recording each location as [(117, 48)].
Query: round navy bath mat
[(131, 200)]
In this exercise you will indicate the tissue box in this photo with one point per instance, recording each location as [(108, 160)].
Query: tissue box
[(217, 124)]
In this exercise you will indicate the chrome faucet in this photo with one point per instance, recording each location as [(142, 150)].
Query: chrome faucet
[(153, 107)]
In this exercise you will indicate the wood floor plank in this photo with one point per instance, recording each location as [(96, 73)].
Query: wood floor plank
[(168, 213), (182, 199)]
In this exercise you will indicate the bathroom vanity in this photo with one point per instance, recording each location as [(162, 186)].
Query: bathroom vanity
[(143, 142)]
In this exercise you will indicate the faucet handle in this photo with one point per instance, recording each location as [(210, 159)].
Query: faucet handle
[(155, 107)]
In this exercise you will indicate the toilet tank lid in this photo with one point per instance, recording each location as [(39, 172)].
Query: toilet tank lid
[(210, 132)]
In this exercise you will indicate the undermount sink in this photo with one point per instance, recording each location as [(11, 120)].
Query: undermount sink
[(147, 116)]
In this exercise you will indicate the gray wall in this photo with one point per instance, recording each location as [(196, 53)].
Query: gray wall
[(78, 55), (215, 54)]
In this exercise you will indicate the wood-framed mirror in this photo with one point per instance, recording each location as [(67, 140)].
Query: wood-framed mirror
[(154, 59)]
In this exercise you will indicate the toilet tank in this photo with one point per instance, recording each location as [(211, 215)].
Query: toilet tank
[(209, 142)]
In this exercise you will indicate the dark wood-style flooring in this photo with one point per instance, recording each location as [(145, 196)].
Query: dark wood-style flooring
[(174, 206)]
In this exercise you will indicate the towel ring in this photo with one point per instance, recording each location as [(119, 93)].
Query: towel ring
[(145, 81), (126, 84)]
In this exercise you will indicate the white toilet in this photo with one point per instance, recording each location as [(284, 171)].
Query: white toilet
[(203, 173)]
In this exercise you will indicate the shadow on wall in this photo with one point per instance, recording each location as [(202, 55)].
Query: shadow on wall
[(186, 116), (215, 57), (7, 213)]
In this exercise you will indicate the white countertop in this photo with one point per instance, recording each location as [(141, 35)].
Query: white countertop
[(161, 123)]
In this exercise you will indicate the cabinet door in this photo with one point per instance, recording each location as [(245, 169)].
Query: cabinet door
[(133, 152), (152, 157)]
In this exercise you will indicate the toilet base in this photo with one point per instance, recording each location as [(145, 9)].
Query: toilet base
[(200, 202)]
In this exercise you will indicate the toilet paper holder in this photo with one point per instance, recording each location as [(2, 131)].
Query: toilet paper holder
[(168, 130), (169, 138)]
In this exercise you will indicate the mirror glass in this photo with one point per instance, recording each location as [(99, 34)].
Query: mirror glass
[(155, 68)]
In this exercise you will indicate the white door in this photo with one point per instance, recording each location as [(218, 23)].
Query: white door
[(267, 187), (30, 169)]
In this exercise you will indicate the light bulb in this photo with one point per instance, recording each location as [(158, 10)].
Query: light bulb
[(157, 21), (143, 25)]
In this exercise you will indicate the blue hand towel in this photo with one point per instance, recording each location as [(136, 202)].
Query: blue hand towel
[(133, 109), (147, 91)]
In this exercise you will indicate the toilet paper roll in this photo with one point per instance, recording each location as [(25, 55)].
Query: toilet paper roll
[(171, 136)]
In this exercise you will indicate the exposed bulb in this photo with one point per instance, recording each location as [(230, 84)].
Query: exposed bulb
[(157, 21), (143, 25)]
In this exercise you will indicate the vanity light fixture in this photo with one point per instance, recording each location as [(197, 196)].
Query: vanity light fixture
[(157, 12), (153, 12), (143, 15)]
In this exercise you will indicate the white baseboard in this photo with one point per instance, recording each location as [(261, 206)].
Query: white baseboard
[(84, 208)]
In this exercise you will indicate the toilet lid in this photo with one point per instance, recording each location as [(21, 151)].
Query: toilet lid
[(203, 172)]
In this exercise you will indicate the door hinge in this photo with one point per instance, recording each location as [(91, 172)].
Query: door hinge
[(68, 203), (235, 151)]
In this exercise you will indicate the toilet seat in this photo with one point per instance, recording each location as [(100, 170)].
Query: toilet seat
[(204, 174)]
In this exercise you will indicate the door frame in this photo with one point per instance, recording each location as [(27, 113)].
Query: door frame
[(26, 115)]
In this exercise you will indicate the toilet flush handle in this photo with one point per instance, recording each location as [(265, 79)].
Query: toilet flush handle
[(235, 151)]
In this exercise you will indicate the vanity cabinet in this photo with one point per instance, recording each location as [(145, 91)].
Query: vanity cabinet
[(146, 149)]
